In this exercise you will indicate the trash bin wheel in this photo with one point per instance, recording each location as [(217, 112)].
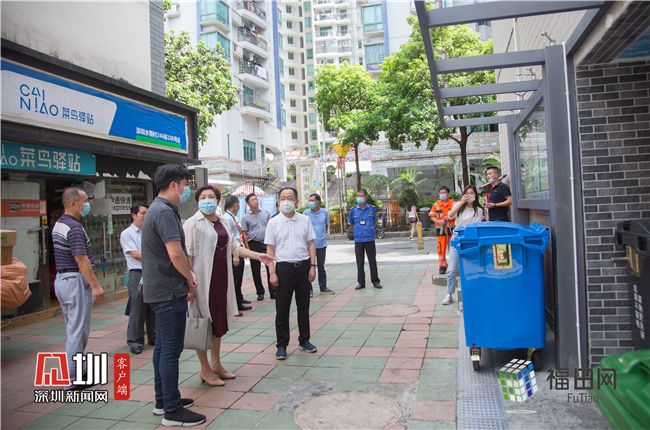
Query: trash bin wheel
[(381, 234), (475, 356)]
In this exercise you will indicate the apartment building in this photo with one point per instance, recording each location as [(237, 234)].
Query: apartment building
[(246, 144)]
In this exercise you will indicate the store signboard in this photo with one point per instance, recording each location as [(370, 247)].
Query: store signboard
[(45, 159), (33, 97), (22, 208), (120, 204)]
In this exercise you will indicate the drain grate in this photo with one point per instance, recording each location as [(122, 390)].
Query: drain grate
[(391, 310)]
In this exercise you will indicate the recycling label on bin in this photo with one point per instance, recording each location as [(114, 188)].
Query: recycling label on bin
[(502, 256)]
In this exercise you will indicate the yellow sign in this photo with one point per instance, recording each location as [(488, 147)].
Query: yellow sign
[(502, 257), (341, 150)]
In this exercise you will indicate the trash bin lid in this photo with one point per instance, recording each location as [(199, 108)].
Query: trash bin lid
[(635, 233), (499, 232)]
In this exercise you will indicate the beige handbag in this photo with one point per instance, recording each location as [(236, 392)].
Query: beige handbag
[(198, 333)]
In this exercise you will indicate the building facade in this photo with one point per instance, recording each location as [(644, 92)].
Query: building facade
[(87, 112), (246, 142)]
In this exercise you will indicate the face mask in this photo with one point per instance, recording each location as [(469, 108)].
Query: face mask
[(471, 199), (208, 206), (311, 205), (443, 196), (186, 194), (491, 180), (287, 206), (361, 200), (86, 209)]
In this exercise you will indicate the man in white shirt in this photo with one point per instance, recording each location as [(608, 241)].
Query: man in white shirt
[(138, 311), (290, 240)]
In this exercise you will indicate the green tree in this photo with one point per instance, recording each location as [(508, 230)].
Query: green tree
[(407, 102), (346, 97), (200, 77), (407, 184), (375, 184)]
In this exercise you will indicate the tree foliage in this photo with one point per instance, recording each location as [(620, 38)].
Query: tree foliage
[(346, 97), (200, 77), (407, 102), (375, 184)]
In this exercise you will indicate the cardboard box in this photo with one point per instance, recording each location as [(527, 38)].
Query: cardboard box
[(7, 243)]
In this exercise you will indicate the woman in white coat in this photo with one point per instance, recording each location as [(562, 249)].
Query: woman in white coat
[(211, 251)]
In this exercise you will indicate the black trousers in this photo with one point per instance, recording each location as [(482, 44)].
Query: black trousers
[(322, 276), (256, 269), (371, 251), (140, 314), (238, 277), (293, 278)]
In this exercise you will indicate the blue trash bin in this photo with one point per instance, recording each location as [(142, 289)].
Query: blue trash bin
[(502, 276)]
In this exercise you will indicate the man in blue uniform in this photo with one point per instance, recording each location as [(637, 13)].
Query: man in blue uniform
[(362, 219)]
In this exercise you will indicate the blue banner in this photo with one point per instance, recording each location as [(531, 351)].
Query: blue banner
[(45, 100), (45, 159)]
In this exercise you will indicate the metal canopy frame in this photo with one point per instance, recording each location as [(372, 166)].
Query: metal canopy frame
[(494, 10), (559, 115)]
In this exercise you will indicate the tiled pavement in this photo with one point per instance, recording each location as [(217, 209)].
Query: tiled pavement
[(411, 359)]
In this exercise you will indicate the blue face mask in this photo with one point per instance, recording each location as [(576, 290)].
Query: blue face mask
[(86, 209), (443, 196), (186, 194), (208, 206), (311, 205), (361, 200)]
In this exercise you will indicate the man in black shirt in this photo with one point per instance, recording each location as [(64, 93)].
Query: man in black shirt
[(499, 197)]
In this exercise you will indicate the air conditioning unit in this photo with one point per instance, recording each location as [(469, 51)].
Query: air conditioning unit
[(174, 11)]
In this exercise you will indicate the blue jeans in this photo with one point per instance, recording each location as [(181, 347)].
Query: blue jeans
[(452, 269), (171, 317)]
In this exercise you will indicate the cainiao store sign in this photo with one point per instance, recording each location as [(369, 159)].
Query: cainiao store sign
[(33, 97)]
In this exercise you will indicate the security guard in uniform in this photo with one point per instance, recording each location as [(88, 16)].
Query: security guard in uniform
[(362, 219), (444, 227)]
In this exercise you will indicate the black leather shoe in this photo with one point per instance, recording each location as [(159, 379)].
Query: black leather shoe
[(442, 270), (377, 285), (273, 296), (260, 297), (246, 302), (359, 287), (136, 349), (243, 307)]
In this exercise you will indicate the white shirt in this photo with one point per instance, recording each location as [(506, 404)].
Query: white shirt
[(230, 221), (290, 237), (131, 240), (468, 216)]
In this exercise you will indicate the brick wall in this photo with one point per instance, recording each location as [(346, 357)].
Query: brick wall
[(614, 116), (157, 41)]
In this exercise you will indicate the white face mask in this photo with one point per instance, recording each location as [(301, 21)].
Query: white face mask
[(287, 206), (471, 198)]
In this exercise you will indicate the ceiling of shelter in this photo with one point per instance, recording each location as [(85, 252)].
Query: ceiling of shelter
[(627, 36)]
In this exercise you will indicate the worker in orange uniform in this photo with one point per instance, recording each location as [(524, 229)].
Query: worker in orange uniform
[(444, 226)]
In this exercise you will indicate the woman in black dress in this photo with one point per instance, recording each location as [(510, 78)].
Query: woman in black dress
[(211, 252)]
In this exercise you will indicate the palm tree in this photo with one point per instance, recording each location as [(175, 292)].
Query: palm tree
[(408, 179)]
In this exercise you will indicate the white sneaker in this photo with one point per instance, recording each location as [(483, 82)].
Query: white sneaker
[(448, 300)]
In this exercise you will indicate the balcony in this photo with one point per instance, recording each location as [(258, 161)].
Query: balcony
[(253, 75), (345, 48), (323, 35), (256, 107), (324, 3), (253, 42), (373, 67), (325, 48), (215, 14), (331, 18), (369, 29), (251, 11)]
